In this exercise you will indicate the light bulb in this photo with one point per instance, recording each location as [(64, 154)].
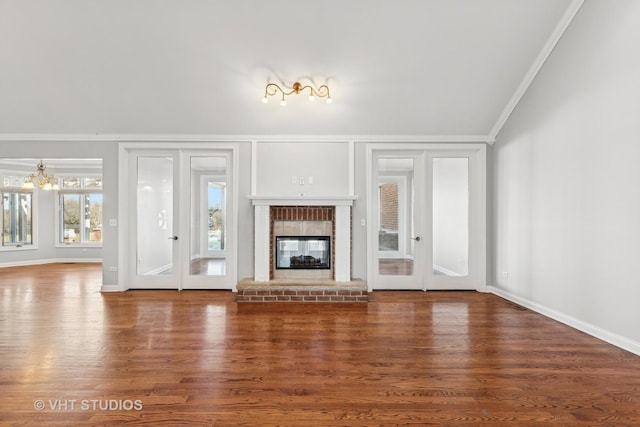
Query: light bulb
[(312, 98), (265, 100), (329, 100), (283, 103)]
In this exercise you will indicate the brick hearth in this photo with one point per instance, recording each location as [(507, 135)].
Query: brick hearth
[(322, 291)]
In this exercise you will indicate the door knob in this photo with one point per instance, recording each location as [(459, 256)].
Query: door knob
[(173, 238), (417, 238)]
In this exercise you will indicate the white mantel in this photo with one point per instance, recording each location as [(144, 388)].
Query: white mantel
[(302, 200), (342, 244)]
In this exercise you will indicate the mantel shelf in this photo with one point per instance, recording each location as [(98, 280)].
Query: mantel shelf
[(302, 200)]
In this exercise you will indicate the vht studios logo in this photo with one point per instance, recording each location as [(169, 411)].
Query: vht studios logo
[(62, 405)]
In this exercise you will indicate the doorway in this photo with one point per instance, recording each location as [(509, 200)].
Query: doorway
[(180, 219), (427, 217)]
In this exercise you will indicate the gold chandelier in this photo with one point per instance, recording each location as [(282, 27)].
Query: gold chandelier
[(272, 89), (44, 181)]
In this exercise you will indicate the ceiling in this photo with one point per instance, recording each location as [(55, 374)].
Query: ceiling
[(443, 68)]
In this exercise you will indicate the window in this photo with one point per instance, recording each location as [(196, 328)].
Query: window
[(80, 210), (17, 227), (17, 212)]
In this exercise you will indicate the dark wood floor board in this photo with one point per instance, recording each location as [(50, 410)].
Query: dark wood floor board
[(199, 358)]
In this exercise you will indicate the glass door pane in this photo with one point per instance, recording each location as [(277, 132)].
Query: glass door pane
[(216, 213), (450, 216), (208, 216), (155, 216), (398, 243)]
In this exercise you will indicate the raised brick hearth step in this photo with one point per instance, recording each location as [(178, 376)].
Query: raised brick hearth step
[(313, 291)]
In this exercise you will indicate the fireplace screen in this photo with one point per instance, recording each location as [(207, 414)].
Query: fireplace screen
[(303, 252)]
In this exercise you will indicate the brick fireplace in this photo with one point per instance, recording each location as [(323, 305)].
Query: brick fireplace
[(323, 216), (302, 221), (272, 212)]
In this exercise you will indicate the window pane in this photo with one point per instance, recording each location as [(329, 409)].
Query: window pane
[(92, 182), (16, 219), (93, 217), (216, 224), (68, 183), (71, 214), (12, 181), (451, 216), (388, 227), (395, 216), (154, 222)]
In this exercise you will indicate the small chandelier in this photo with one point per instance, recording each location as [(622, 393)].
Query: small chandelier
[(44, 181), (273, 89)]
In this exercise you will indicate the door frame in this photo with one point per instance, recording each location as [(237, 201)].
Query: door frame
[(123, 222), (476, 152)]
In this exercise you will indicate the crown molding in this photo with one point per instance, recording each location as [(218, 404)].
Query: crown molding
[(55, 137), (546, 50)]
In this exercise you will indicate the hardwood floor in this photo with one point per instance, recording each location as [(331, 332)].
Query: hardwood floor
[(70, 355)]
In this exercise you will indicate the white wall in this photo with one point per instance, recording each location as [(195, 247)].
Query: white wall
[(566, 201), (326, 162)]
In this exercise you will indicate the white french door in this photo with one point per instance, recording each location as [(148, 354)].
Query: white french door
[(181, 219), (398, 226), (427, 217)]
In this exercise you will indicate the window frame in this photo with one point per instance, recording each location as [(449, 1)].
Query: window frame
[(82, 192), (33, 245)]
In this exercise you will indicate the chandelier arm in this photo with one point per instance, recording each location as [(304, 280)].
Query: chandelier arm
[(325, 93), (311, 90), (275, 87)]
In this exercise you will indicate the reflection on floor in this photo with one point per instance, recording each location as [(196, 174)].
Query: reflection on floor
[(208, 267), (395, 266)]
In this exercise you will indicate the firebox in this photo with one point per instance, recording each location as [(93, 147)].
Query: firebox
[(303, 252)]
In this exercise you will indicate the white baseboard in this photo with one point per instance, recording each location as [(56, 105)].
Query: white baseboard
[(49, 261), (111, 288), (602, 334)]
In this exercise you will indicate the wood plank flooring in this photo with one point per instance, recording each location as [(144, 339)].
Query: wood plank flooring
[(70, 355)]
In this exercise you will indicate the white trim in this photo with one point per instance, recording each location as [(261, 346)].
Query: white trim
[(546, 50), (302, 200), (342, 261), (254, 167), (261, 243), (239, 138), (595, 331), (50, 261), (352, 167), (123, 218), (18, 248)]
